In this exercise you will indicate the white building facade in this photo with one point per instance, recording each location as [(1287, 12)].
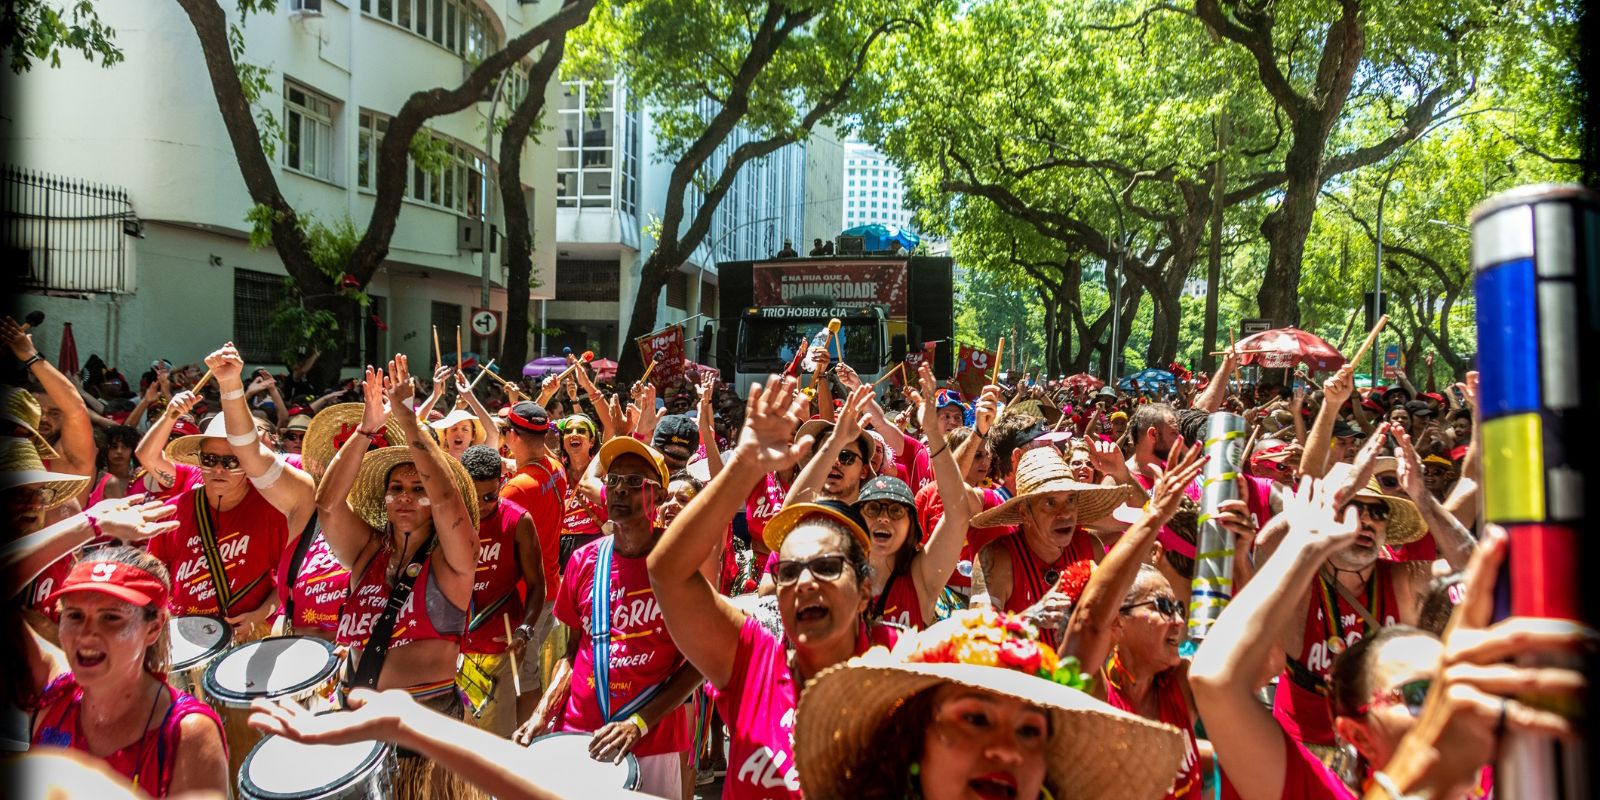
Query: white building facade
[(183, 278), (873, 191)]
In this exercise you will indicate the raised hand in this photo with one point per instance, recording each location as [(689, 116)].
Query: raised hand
[(1408, 466), (986, 409), (1469, 390), (1318, 519), (773, 412), (375, 406), (400, 388), (1336, 390), (133, 518), (225, 363), (848, 378), (181, 403), (1108, 460), (1365, 461), (20, 341), (369, 716), (1171, 482), (850, 416)]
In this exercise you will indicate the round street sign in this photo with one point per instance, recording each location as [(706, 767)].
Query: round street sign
[(485, 323)]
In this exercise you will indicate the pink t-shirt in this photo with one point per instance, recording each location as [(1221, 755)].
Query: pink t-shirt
[(758, 704), (642, 652), (763, 504)]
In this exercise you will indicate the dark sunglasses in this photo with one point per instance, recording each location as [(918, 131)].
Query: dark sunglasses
[(489, 498), (1389, 481), (292, 436), (1165, 606), (848, 457), (823, 568), (212, 461), (1376, 511), (634, 482), (1411, 693)]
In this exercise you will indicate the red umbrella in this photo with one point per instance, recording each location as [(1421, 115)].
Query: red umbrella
[(1084, 381), (67, 357), (1281, 348), (604, 369)]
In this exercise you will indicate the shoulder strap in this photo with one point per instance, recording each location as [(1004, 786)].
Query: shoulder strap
[(377, 649), (1355, 602), (600, 625), (216, 566), (296, 561)]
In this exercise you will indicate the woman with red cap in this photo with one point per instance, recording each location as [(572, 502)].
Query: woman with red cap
[(104, 691)]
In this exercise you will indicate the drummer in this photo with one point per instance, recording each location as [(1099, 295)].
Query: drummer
[(502, 622), (227, 522), (103, 692), (822, 589), (403, 520), (646, 678)]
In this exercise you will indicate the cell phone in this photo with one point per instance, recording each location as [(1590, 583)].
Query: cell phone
[(1299, 383)]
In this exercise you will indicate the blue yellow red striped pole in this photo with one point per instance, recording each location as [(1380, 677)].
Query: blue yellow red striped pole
[(1534, 254)]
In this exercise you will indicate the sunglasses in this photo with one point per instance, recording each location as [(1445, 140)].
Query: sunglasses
[(1165, 606), (34, 496), (212, 461), (634, 482), (489, 498), (1389, 481), (1411, 693), (879, 508), (848, 457), (823, 568), (293, 436), (1376, 511)]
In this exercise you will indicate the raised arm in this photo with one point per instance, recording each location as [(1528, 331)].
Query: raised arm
[(1210, 400), (705, 418), (347, 533), (1335, 393), (1453, 540), (932, 567), (458, 537), (160, 472), (491, 432), (808, 484), (704, 624), (1463, 500), (602, 411), (289, 490), (1225, 672), (76, 442)]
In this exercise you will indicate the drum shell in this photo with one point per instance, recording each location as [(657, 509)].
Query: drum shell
[(317, 691), (188, 676), (370, 780), (558, 750)]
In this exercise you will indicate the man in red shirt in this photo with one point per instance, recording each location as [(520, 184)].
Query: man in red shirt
[(540, 486)]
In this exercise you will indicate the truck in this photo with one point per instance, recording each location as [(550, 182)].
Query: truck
[(889, 305)]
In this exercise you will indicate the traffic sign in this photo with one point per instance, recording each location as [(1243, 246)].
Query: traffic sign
[(485, 322), (1251, 326)]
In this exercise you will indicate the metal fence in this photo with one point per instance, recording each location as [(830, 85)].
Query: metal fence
[(65, 234)]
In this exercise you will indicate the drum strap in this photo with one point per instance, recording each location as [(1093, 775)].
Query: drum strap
[(215, 564), (377, 649), (297, 561), (600, 640)]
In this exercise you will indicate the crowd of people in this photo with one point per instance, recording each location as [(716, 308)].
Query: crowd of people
[(824, 589)]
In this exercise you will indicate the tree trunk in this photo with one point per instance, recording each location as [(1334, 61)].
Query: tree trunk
[(652, 279), (1286, 229), (325, 372), (519, 230)]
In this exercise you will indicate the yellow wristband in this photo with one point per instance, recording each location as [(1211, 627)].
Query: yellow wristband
[(644, 727)]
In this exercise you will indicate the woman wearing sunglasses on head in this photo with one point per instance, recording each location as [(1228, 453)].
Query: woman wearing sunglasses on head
[(823, 591)]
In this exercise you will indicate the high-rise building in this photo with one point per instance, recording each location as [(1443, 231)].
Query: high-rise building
[(873, 191), (136, 209)]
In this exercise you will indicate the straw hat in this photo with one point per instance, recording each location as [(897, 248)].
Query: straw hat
[(186, 449), (1405, 522), (20, 466), (19, 407), (1095, 750), (366, 497), (333, 425), (1042, 470), (457, 417)]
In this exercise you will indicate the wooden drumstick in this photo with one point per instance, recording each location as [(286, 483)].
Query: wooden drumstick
[(458, 347), (654, 360), (516, 674), (900, 367), (1371, 338), (196, 390), (480, 375), (515, 392), (998, 353), (588, 355), (438, 355)]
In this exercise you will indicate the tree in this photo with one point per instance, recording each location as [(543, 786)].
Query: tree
[(38, 30), (772, 69), (235, 86)]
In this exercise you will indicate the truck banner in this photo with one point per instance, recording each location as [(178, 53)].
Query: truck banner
[(668, 342), (851, 283), (972, 374)]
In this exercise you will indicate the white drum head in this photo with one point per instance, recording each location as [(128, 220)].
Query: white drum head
[(565, 764), (194, 639), (280, 768), (764, 609), (269, 668)]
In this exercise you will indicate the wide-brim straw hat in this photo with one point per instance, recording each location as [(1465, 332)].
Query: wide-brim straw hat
[(20, 466), (457, 417), (366, 496), (186, 449), (1042, 470), (332, 426), (19, 407), (1405, 521), (1095, 751), (786, 520)]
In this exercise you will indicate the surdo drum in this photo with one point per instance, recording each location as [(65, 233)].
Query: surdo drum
[(564, 759), (299, 668), (280, 769), (196, 642)]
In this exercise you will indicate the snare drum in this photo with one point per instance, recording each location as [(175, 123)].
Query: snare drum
[(300, 668), (196, 642), (280, 769), (567, 769), (764, 609)]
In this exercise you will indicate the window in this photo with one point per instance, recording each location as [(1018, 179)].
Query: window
[(458, 25), (370, 138), (255, 296), (446, 317), (308, 131), (588, 280), (678, 291), (597, 162), (458, 187)]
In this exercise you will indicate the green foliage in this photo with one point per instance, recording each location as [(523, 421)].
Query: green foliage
[(430, 153), (256, 82), (301, 327), (38, 30)]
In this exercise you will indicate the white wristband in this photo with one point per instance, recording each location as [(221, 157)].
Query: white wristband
[(270, 477), (232, 394), (243, 439)]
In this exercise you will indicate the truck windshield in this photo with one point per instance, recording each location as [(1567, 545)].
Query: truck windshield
[(768, 345)]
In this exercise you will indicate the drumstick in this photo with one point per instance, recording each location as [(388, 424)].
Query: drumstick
[(516, 674), (897, 368), (655, 359), (458, 347), (1371, 337), (515, 392), (438, 355), (481, 373), (998, 352), (195, 390), (588, 355)]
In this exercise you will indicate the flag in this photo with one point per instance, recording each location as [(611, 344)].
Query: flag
[(668, 344), (972, 374)]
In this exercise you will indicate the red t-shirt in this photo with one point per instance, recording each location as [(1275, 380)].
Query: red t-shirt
[(494, 585), (642, 653), (1307, 715), (541, 488), (901, 606), (318, 591), (930, 509), (370, 595), (1305, 777), (1173, 709), (249, 538), (915, 468)]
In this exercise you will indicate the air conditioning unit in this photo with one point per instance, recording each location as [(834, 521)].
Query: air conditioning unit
[(306, 8), (469, 233)]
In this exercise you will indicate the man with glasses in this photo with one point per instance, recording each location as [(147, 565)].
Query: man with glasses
[(499, 624), (293, 434), (622, 677)]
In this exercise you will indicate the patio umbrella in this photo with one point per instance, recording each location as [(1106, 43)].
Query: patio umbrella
[(1083, 381), (1281, 348), (67, 357), (604, 369), (540, 367), (1148, 378)]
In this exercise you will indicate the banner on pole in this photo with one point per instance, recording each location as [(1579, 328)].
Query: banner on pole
[(668, 342), (973, 371), (1391, 360)]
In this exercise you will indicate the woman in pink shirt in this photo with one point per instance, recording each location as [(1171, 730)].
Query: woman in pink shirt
[(823, 595)]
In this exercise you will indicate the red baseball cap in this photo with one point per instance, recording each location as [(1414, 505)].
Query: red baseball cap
[(184, 427), (123, 581)]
